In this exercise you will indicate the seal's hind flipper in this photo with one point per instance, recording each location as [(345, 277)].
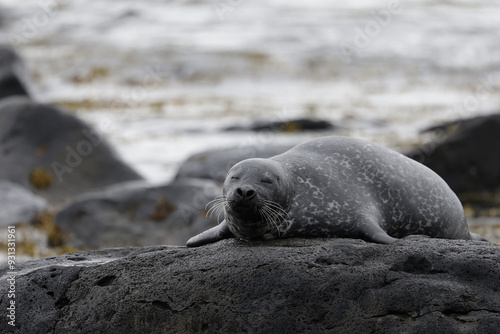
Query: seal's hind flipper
[(477, 237), (374, 233), (212, 235)]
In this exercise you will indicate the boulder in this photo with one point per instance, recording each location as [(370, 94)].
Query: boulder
[(416, 285), (13, 76), (291, 125), (215, 164), (18, 204), (465, 154), (136, 214), (55, 154)]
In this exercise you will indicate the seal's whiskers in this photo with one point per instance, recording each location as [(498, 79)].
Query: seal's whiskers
[(268, 218), (273, 213), (218, 207), (277, 209)]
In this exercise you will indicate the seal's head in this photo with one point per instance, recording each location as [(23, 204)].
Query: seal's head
[(257, 196)]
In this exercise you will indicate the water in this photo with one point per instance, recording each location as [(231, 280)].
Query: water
[(160, 78)]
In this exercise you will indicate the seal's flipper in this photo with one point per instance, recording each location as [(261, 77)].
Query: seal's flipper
[(374, 233), (214, 234), (474, 236)]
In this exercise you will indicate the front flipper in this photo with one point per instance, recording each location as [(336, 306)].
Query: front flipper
[(212, 235)]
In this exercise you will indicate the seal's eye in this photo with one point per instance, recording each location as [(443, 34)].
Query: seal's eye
[(235, 178), (266, 181)]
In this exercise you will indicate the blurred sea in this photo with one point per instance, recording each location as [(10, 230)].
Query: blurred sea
[(160, 78)]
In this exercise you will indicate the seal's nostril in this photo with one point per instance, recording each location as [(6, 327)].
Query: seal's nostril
[(245, 192)]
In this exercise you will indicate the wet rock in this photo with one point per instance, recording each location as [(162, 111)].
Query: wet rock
[(13, 76), (416, 285), (465, 154), (55, 154), (18, 204), (136, 214), (292, 125), (215, 164)]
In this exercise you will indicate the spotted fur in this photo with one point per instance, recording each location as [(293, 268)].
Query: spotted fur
[(339, 187)]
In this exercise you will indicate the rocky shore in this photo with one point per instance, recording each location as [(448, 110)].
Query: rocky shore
[(64, 189)]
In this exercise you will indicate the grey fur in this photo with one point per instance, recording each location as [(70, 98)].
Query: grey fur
[(337, 187)]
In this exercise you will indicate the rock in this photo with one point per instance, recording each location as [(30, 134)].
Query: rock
[(216, 163), (416, 285), (136, 214), (465, 154), (55, 154), (18, 204), (13, 76), (292, 125)]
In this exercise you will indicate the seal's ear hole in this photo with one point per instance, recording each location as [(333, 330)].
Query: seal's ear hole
[(234, 178)]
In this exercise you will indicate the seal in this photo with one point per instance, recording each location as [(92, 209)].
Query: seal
[(335, 187)]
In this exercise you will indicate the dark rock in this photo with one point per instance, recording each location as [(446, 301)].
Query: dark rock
[(18, 204), (12, 73), (137, 215), (465, 154), (416, 285), (215, 164), (292, 125), (55, 154)]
